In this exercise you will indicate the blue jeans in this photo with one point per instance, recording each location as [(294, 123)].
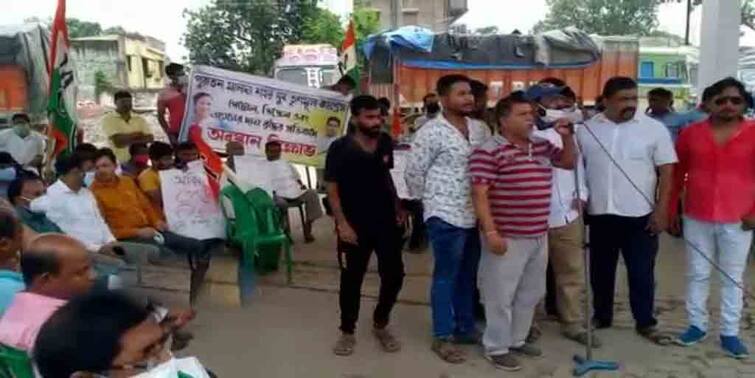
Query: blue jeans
[(457, 254)]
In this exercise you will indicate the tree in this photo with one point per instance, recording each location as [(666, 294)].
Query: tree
[(119, 30), (366, 21), (488, 30), (79, 29), (322, 26), (245, 35), (605, 17)]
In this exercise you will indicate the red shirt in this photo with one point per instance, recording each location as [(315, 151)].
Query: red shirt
[(519, 184), (720, 179), (174, 100)]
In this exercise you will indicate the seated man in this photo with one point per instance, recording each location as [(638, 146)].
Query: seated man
[(21, 192), (132, 217), (186, 152), (161, 155), (139, 160), (287, 187), (55, 268), (109, 334), (25, 145), (85, 156), (233, 149), (73, 208), (11, 282)]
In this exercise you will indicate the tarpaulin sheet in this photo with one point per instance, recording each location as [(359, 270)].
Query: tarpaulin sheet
[(559, 48), (27, 46)]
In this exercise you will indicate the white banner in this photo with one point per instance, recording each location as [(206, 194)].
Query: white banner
[(188, 204), (232, 106)]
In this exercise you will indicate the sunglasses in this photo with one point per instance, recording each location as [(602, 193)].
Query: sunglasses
[(734, 100)]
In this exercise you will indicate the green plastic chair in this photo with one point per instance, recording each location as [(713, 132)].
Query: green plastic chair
[(15, 363), (257, 226)]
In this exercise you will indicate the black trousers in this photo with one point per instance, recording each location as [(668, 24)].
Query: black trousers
[(609, 235), (354, 259), (419, 231)]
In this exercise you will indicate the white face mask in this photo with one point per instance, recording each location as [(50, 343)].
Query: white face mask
[(574, 115), (170, 369), (88, 179)]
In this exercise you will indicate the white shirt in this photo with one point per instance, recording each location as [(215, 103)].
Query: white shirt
[(76, 213), (564, 190), (437, 170), (23, 150), (639, 146), (285, 179)]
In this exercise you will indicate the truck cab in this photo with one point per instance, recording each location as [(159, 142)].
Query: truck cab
[(314, 66)]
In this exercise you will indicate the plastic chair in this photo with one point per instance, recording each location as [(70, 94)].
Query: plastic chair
[(15, 363), (256, 225)]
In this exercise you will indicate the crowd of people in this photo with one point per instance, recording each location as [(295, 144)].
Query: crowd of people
[(502, 195), (506, 208)]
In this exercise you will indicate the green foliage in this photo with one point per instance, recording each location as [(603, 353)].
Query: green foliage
[(115, 30), (366, 22), (322, 26), (488, 30), (79, 29), (245, 35), (604, 17)]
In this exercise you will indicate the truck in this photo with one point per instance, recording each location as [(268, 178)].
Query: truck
[(313, 66), (24, 81), (504, 62)]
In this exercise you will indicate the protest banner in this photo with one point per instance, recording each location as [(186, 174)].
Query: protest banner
[(252, 110), (189, 206)]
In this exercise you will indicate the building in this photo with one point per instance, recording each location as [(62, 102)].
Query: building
[(436, 15), (128, 61), (668, 63)]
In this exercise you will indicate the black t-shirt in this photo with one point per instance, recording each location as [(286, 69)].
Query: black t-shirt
[(364, 182)]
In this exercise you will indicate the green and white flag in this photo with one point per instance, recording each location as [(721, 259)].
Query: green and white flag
[(62, 97)]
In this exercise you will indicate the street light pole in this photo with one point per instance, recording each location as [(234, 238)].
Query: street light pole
[(686, 30)]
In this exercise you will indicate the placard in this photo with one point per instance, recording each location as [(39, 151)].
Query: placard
[(252, 110), (189, 206)]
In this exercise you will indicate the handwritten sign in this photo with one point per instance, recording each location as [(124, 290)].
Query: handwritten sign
[(231, 106), (189, 206)]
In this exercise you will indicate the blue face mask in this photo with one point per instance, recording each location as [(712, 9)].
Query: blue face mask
[(7, 174)]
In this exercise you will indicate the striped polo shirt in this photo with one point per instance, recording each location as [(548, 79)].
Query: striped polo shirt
[(519, 184)]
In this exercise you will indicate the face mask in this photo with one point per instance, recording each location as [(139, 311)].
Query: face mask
[(140, 160), (182, 80), (7, 174), (23, 130), (189, 366), (574, 115), (88, 179)]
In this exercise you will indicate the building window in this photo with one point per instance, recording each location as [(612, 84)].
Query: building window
[(647, 70), (672, 70), (129, 63)]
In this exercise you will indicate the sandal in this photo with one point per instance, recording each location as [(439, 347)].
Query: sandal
[(656, 336), (448, 352), (581, 337), (389, 342), (345, 345)]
